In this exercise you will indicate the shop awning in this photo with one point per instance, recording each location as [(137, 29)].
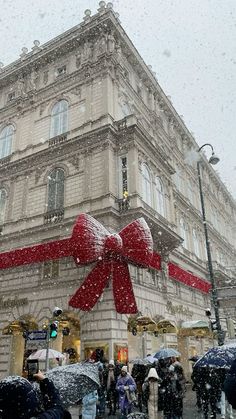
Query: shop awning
[(195, 328), (166, 326)]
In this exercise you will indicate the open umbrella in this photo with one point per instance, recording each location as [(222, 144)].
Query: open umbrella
[(150, 359), (74, 381), (139, 361), (166, 353), (219, 357), (42, 353)]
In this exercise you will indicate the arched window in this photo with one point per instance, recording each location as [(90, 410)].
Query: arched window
[(56, 190), (183, 232), (160, 197), (3, 199), (6, 141), (146, 185), (59, 121), (196, 245)]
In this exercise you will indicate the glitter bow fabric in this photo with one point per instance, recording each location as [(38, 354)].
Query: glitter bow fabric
[(91, 242), (112, 252)]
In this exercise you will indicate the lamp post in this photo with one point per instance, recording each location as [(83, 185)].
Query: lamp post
[(220, 334)]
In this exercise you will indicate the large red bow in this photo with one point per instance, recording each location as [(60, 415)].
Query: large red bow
[(91, 242), (112, 252)]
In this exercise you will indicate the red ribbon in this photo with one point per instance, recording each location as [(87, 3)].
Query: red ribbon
[(91, 242)]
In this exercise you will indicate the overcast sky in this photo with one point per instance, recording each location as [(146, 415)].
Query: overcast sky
[(191, 45)]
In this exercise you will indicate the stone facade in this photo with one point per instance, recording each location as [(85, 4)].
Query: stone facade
[(116, 131)]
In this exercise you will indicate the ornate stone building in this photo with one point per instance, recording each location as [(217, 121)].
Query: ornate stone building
[(83, 120)]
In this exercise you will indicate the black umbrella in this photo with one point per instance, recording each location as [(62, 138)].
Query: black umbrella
[(74, 381)]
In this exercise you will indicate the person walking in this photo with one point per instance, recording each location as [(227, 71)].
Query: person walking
[(229, 386), (89, 405), (111, 379), (211, 391), (126, 388), (19, 400), (150, 393)]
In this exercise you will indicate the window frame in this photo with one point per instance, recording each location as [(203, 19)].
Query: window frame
[(6, 141), (59, 118), (56, 200), (146, 192), (159, 197), (3, 206)]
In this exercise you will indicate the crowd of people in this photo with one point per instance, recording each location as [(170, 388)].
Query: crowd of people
[(154, 391)]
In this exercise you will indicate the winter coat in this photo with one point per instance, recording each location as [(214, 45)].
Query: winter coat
[(171, 394), (18, 399), (230, 385), (123, 381), (89, 405)]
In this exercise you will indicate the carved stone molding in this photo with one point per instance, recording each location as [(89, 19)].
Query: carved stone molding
[(75, 161)]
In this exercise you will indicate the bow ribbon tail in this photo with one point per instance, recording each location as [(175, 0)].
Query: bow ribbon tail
[(92, 288), (122, 289), (35, 254)]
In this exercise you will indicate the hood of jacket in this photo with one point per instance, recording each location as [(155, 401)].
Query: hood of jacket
[(18, 399)]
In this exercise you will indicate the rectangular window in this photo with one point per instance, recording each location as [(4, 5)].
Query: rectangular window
[(123, 175), (51, 269), (61, 71)]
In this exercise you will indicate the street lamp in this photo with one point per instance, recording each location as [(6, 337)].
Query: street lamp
[(220, 334)]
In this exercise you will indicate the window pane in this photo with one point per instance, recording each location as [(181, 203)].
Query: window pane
[(59, 122), (3, 196), (160, 206), (56, 190), (6, 141), (146, 185)]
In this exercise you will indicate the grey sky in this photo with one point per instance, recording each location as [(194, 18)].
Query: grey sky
[(191, 45)]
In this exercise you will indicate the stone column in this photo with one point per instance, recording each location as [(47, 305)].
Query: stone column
[(183, 349), (17, 354)]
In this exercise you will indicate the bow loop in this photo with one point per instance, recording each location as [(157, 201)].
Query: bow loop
[(88, 240), (137, 242)]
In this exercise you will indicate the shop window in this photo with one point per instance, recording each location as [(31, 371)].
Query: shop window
[(6, 136), (51, 269), (59, 118), (146, 184), (3, 199), (56, 190)]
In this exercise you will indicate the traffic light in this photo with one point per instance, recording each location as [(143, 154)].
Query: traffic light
[(53, 330)]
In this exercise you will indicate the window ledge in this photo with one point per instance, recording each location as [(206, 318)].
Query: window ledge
[(5, 160), (54, 216), (57, 140)]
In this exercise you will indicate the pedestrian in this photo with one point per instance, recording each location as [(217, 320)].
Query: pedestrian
[(101, 404), (150, 393), (19, 399), (111, 379), (173, 395), (211, 391), (197, 380), (126, 388), (230, 385), (139, 373), (89, 405)]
